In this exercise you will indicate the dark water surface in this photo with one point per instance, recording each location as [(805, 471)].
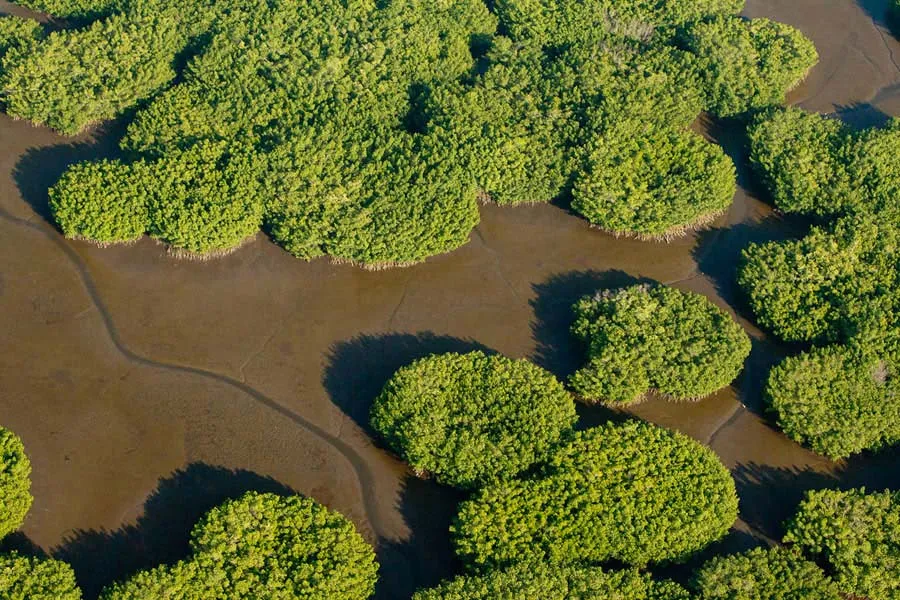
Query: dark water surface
[(148, 390)]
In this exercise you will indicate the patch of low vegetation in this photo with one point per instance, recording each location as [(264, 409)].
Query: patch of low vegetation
[(354, 142), (838, 400), (15, 482), (857, 535), (748, 64), (549, 582), (630, 492), (762, 575), (263, 545), (654, 337), (472, 419), (826, 286), (27, 578)]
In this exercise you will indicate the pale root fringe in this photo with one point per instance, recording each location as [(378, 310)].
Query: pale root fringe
[(81, 238), (190, 256), (375, 266), (485, 199), (641, 398), (679, 231)]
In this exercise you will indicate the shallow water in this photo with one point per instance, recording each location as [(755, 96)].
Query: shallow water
[(147, 389)]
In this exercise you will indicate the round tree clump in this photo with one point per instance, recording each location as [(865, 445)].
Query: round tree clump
[(470, 419), (820, 288), (652, 337), (748, 63), (630, 492), (762, 575), (551, 582), (15, 482), (838, 400), (26, 578), (654, 186), (802, 159), (263, 545), (856, 534), (104, 202)]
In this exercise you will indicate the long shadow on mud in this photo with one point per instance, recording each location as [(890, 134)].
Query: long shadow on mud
[(40, 168), (162, 534), (426, 557), (358, 368)]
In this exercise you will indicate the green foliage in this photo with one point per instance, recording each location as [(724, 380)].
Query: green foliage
[(800, 157), (773, 574), (373, 127), (471, 419), (814, 165), (538, 580), (25, 578), (857, 534), (838, 399), (15, 482), (263, 545), (16, 33), (631, 492), (560, 22), (748, 64), (73, 8), (655, 337), (654, 185), (824, 287)]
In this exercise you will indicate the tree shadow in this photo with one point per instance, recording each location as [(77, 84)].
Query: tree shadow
[(20, 543), (880, 12), (357, 369), (162, 534), (862, 115), (39, 169), (426, 557)]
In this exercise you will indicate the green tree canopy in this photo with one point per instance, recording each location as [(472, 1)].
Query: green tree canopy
[(748, 63), (530, 581), (764, 575), (631, 492), (263, 545), (470, 419), (857, 534), (26, 578), (653, 337), (15, 482)]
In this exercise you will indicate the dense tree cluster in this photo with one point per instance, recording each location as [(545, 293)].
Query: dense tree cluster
[(838, 285), (839, 399), (630, 492), (763, 575), (368, 130), (814, 164), (18, 34), (653, 337), (27, 578), (15, 482), (471, 419), (530, 581), (263, 545), (857, 535)]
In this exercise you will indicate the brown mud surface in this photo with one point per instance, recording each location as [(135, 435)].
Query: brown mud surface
[(148, 389)]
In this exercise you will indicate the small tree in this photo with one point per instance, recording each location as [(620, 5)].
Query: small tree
[(856, 534), (15, 482), (652, 337), (470, 419), (26, 578), (630, 492), (263, 545), (531, 581), (763, 575)]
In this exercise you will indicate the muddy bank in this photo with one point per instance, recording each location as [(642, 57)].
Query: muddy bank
[(147, 389)]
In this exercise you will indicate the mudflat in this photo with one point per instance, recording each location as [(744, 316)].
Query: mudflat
[(148, 389)]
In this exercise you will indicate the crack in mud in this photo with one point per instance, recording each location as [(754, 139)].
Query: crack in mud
[(737, 412), (364, 476)]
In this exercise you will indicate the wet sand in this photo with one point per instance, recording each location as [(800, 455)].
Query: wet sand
[(148, 389)]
